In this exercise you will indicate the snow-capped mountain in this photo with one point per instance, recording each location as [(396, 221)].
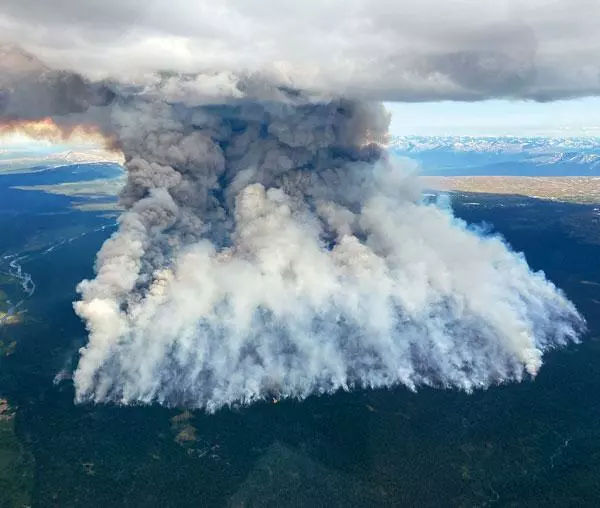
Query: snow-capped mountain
[(26, 161), (592, 159), (502, 155), (502, 144)]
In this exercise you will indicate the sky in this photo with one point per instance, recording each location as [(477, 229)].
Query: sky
[(576, 117)]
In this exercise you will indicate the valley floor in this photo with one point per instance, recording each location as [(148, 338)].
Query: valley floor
[(575, 189)]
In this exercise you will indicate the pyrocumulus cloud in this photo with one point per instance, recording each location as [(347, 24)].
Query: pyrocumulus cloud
[(269, 248)]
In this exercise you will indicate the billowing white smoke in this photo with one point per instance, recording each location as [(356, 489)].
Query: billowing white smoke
[(266, 251)]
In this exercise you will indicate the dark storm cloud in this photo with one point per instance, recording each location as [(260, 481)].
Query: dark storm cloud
[(427, 50)]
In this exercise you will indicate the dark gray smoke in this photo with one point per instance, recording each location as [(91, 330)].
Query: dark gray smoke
[(31, 90), (268, 249)]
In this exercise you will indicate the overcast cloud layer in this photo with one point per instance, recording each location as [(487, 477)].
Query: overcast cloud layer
[(388, 50)]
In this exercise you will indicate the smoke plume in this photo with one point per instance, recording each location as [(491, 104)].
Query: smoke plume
[(269, 249)]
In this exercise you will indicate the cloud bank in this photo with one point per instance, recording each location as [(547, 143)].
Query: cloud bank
[(385, 50)]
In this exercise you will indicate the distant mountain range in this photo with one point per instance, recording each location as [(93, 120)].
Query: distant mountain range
[(27, 162), (514, 156), (500, 144)]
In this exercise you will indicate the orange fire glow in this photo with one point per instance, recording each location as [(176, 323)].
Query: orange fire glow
[(85, 142), (47, 130)]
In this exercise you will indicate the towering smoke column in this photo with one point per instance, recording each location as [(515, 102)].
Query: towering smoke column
[(268, 250)]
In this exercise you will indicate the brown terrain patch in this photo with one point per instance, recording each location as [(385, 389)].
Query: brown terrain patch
[(576, 189)]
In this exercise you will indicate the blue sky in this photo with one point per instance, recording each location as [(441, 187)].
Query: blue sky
[(497, 117)]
